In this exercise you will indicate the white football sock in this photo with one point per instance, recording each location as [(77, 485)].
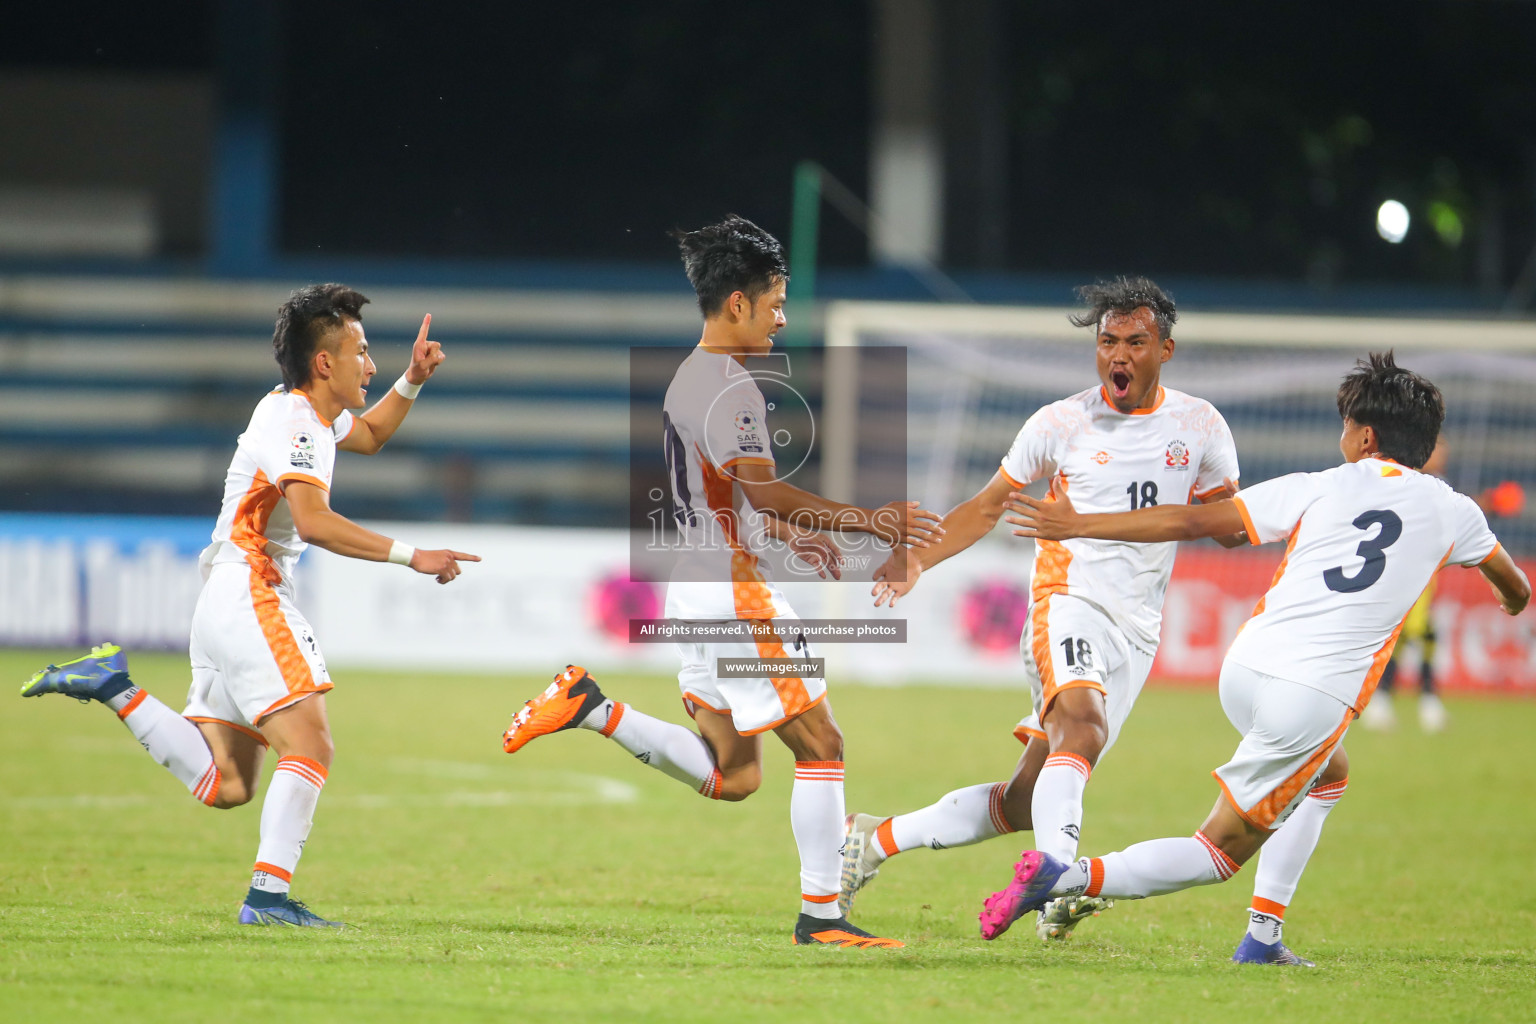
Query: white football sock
[(816, 817), (1057, 805), (670, 749), (286, 816), (174, 743), (1284, 857), (959, 818), (1152, 868)]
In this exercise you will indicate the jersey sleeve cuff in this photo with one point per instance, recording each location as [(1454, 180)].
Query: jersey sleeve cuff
[(1253, 534), (1496, 549), (1214, 490), (1009, 477), (304, 477), (746, 460)]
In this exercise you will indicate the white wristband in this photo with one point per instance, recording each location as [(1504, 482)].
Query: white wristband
[(401, 553), (405, 389)]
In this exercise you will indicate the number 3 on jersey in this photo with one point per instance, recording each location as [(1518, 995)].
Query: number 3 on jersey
[(1372, 549)]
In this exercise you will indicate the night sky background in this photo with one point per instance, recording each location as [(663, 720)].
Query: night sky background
[(1197, 138)]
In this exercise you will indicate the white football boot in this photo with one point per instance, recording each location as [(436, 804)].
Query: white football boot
[(1058, 917), (861, 857)]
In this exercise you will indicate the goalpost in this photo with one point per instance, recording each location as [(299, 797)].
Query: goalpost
[(976, 373)]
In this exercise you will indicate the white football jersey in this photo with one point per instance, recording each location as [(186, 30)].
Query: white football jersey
[(1365, 539), (714, 418), (285, 440), (1110, 461)]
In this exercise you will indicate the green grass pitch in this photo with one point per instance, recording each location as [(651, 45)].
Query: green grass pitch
[(568, 883)]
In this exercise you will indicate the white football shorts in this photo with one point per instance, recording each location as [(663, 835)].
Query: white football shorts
[(754, 704), (252, 651), (1080, 646), (1289, 733)]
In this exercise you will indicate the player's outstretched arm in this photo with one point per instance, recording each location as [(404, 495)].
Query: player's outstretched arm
[(1058, 520), (812, 547), (322, 526), (1225, 492), (1510, 585), (964, 525), (376, 426), (898, 522)]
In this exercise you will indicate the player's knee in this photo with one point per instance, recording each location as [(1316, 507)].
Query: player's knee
[(739, 785), (233, 792), (1084, 736)]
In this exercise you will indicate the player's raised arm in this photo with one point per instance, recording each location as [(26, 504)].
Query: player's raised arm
[(1058, 520), (1510, 585), (319, 524), (898, 522), (1225, 492), (376, 426)]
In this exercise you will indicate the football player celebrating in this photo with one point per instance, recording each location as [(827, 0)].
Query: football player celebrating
[(721, 467), (258, 678), (1364, 539), (1096, 606)]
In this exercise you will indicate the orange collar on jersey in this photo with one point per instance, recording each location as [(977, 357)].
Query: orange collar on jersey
[(1161, 394), (327, 422)]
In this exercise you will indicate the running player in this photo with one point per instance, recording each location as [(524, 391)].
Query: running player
[(258, 678), (717, 451), (1364, 540), (1096, 611)]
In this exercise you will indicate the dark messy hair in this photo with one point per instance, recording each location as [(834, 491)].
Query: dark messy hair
[(1124, 296), (734, 255), (1404, 409), (309, 314)]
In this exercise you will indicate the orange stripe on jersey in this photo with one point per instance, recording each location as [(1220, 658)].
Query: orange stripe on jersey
[(1009, 477), (1024, 734), (303, 478), (1384, 652), (1161, 394), (791, 689), (1290, 545), (248, 532), (252, 733), (1496, 549)]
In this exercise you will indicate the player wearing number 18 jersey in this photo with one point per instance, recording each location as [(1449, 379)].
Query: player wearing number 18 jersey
[(1363, 541), (1096, 605)]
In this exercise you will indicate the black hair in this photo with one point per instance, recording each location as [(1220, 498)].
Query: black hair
[(308, 315), (1404, 409), (1124, 296), (734, 255)]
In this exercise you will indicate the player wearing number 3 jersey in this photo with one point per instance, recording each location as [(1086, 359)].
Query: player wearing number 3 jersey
[(1096, 605), (1363, 540)]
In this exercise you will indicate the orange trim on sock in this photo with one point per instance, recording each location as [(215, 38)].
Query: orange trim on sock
[(1226, 867), (273, 870), (1095, 876), (995, 809), (711, 786), (614, 718), (1332, 791), (308, 769), (207, 788), (1070, 760), (133, 702), (886, 839), (818, 764), (1270, 907), (819, 899)]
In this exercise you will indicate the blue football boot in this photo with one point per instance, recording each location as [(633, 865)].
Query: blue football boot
[(1252, 951), (288, 912), (100, 675)]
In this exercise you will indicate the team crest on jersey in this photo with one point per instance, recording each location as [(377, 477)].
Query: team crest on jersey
[(1101, 457), (302, 453), (1177, 456)]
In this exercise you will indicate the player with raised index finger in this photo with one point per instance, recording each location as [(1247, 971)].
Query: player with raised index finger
[(258, 677)]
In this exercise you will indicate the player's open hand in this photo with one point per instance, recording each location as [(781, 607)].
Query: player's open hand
[(442, 563), (819, 552), (896, 576), (902, 522), (426, 357), (1043, 520)]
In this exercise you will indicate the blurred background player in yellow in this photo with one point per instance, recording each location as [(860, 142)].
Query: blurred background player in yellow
[(727, 502), (258, 677), (1418, 635)]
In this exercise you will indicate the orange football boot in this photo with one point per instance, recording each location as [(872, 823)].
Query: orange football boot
[(817, 931), (563, 705)]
